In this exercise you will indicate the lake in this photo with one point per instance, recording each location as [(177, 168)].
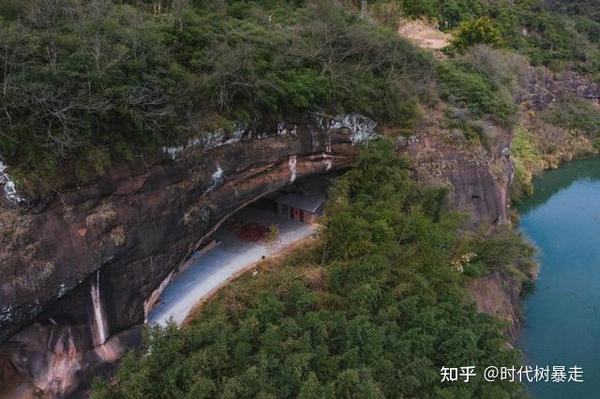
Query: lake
[(562, 313)]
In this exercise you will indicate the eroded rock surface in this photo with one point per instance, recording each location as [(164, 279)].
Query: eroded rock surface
[(77, 268), (545, 87), (499, 295), (478, 178)]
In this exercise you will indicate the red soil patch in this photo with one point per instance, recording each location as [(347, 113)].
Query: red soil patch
[(253, 232)]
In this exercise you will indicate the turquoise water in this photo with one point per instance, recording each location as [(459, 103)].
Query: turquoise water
[(562, 314)]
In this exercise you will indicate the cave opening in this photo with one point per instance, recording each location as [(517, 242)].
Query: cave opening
[(263, 228)]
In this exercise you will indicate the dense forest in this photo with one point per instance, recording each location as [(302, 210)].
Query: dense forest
[(95, 81), (374, 310), (86, 83)]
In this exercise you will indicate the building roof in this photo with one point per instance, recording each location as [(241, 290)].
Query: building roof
[(306, 201)]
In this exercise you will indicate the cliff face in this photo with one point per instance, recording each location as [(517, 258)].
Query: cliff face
[(544, 87), (499, 295), (96, 256), (78, 269), (478, 176)]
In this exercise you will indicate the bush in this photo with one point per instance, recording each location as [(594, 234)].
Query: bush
[(505, 70), (449, 13), (527, 160), (556, 34), (462, 86), (504, 250), (578, 116), (477, 31)]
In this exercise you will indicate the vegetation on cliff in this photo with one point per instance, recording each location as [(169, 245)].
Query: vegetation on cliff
[(564, 130), (87, 83), (554, 33), (374, 310), (93, 82)]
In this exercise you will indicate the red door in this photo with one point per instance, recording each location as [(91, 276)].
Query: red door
[(297, 214)]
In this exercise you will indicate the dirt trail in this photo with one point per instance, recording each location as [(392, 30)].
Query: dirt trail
[(424, 35)]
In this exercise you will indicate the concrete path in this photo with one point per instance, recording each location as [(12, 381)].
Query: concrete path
[(210, 270)]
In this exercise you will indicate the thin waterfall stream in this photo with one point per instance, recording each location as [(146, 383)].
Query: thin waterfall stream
[(101, 333)]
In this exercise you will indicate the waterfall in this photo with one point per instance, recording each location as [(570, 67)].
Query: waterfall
[(292, 163), (99, 325)]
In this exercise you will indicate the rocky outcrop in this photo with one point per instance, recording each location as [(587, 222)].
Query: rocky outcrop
[(78, 267), (10, 192), (499, 295), (544, 87), (478, 176), (479, 181)]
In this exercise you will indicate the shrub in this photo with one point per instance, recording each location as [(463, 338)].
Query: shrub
[(449, 13), (477, 31), (505, 70), (527, 160), (462, 86), (504, 250), (555, 34), (578, 116)]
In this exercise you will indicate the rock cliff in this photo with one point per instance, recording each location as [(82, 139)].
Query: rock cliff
[(478, 178), (79, 268)]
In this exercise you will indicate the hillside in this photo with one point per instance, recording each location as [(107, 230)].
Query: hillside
[(88, 84), (131, 129)]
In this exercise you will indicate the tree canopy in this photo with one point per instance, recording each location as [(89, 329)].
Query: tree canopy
[(373, 311), (90, 82)]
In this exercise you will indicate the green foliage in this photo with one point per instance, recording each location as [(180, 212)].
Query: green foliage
[(472, 132), (465, 87), (586, 14), (84, 82), (448, 13), (11, 9), (579, 116), (88, 81), (558, 34), (477, 31), (596, 144), (552, 39), (503, 250), (385, 313), (526, 158)]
